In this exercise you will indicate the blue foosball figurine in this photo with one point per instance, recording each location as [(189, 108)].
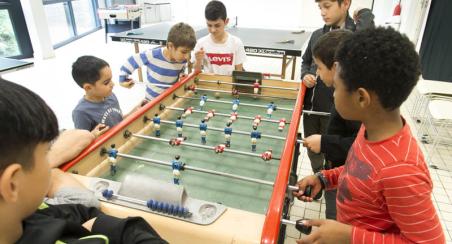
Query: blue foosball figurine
[(156, 121), (270, 108), (203, 101), (179, 124), (254, 136), (203, 131), (177, 166), (228, 134), (112, 155)]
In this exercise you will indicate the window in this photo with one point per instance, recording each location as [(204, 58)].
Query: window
[(8, 42), (69, 20), (14, 38)]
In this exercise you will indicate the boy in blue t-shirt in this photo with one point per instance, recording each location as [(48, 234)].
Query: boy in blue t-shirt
[(164, 64), (99, 109)]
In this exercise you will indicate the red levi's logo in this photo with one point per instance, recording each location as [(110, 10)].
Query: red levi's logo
[(220, 58)]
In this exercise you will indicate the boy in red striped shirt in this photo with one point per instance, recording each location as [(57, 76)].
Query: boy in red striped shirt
[(384, 188)]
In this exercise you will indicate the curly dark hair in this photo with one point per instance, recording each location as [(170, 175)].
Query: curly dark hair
[(381, 60)]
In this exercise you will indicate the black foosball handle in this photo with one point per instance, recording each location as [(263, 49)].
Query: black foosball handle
[(303, 228)]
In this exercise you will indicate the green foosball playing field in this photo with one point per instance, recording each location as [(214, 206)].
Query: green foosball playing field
[(236, 177)]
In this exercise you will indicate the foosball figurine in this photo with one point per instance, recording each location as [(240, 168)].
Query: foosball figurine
[(281, 124), (210, 115), (177, 141), (257, 120), (179, 124), (270, 108), (177, 166), (217, 95), (187, 112), (220, 148), (112, 155), (233, 116), (228, 134), (235, 104), (256, 87), (235, 93), (254, 136), (203, 131), (203, 101), (156, 121), (267, 155), (192, 88)]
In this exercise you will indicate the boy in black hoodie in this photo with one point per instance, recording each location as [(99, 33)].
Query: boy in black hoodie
[(318, 96), (27, 128)]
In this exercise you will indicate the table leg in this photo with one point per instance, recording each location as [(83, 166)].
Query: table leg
[(283, 68), (294, 63), (106, 30), (137, 50)]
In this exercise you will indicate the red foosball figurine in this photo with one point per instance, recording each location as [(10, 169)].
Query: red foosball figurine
[(210, 115), (267, 155), (256, 87), (234, 116), (235, 92), (177, 141), (187, 112), (282, 124), (192, 88), (257, 120), (220, 148)]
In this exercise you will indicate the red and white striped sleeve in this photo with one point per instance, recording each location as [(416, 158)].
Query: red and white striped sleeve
[(407, 192), (332, 176)]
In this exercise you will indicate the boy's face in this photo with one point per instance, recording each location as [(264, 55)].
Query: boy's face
[(331, 12), (104, 86), (35, 181), (325, 74), (216, 27), (345, 101), (179, 54)]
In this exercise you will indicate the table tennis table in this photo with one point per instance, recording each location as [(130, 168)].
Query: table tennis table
[(9, 65), (269, 43)]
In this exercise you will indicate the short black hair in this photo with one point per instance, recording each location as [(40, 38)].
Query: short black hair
[(26, 121), (338, 1), (215, 10), (380, 60), (86, 69), (326, 46), (182, 35)]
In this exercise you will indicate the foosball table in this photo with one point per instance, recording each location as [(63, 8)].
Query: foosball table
[(208, 161)]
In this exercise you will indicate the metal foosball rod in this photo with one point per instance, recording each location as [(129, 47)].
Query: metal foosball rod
[(202, 146), (316, 113), (226, 115), (158, 206), (245, 94), (247, 85), (235, 131), (226, 102), (208, 171)]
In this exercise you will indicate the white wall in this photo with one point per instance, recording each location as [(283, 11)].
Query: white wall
[(281, 14)]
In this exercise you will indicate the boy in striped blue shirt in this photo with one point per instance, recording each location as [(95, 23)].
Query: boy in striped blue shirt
[(164, 64)]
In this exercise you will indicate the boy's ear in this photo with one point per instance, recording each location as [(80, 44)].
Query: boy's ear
[(346, 4), (87, 86), (9, 183), (169, 45), (364, 98), (226, 21)]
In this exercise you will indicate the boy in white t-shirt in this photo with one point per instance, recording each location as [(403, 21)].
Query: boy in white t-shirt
[(219, 52)]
